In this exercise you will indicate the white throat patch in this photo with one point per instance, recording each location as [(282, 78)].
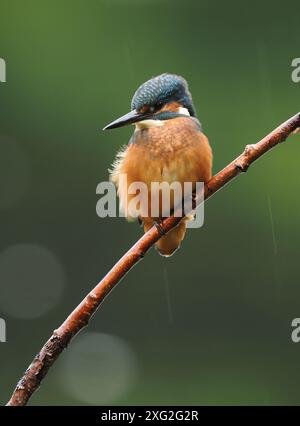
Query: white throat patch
[(146, 124), (183, 111)]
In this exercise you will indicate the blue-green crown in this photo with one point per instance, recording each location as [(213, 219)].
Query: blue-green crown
[(163, 89)]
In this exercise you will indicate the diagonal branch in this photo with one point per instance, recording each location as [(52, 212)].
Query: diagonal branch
[(80, 317)]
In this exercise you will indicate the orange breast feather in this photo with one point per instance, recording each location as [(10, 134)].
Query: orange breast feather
[(176, 151)]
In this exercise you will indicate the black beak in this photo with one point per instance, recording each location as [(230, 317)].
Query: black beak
[(130, 118)]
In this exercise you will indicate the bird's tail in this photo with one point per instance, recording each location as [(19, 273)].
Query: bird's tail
[(170, 242)]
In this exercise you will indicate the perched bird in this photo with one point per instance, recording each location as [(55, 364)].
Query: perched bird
[(167, 146)]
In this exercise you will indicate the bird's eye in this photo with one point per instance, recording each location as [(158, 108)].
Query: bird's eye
[(156, 107)]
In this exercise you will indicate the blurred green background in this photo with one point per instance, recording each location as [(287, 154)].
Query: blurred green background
[(212, 324)]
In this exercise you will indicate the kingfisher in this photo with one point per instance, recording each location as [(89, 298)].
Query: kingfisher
[(167, 145)]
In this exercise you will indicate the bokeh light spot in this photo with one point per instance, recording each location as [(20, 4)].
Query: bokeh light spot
[(98, 369), (31, 281)]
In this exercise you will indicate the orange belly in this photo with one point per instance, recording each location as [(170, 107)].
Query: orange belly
[(174, 152)]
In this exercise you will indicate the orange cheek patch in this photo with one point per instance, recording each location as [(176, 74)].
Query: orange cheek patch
[(144, 109), (172, 106)]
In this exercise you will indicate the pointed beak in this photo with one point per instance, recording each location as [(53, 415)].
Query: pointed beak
[(130, 118)]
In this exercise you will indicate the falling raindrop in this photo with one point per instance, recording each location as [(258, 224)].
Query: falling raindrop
[(168, 296), (15, 173), (272, 225), (32, 281)]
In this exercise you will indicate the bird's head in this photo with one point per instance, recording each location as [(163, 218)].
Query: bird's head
[(162, 98)]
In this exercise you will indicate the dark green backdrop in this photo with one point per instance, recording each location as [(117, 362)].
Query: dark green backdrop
[(211, 325)]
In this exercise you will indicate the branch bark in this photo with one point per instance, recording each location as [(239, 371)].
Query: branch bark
[(81, 315)]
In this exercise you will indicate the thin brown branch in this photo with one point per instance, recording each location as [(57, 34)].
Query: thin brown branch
[(80, 317)]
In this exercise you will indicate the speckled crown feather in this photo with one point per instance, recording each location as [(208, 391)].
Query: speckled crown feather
[(161, 90)]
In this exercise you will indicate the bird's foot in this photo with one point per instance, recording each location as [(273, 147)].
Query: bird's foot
[(296, 131), (158, 224)]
